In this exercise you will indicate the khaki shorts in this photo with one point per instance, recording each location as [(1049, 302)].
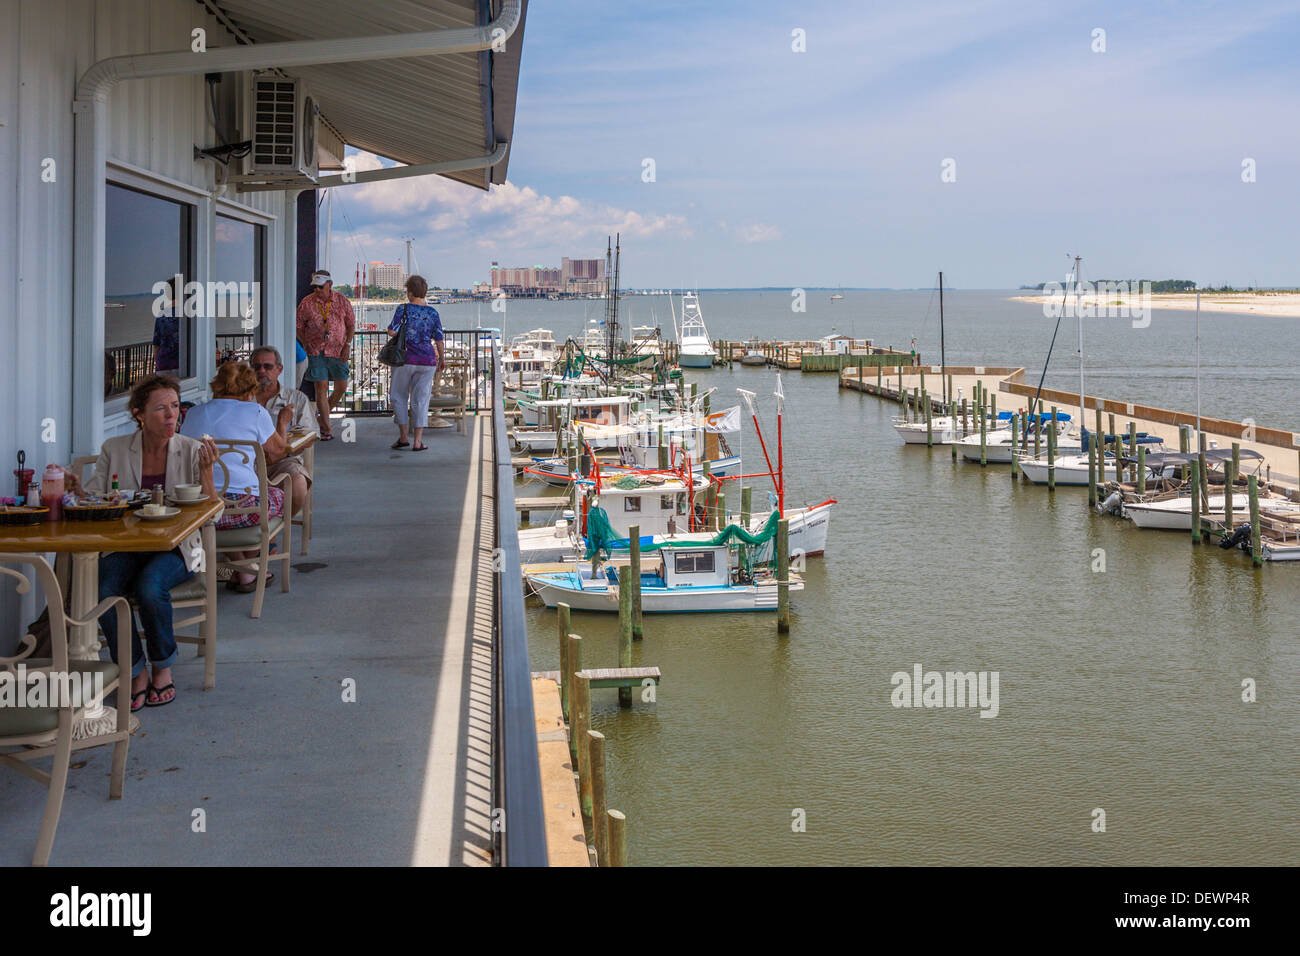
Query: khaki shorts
[(288, 466)]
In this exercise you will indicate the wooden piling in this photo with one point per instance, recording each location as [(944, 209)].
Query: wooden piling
[(1252, 490), (624, 631), (577, 734), (617, 838), (1014, 470), (984, 437), (783, 576), (1092, 470), (573, 661), (599, 820), (663, 449), (634, 576), (566, 674), (1051, 453), (1142, 469), (929, 423), (1196, 501), (746, 500)]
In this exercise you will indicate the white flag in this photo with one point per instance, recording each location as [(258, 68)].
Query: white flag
[(725, 421)]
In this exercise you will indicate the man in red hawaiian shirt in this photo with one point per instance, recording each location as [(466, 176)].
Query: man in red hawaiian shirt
[(326, 326)]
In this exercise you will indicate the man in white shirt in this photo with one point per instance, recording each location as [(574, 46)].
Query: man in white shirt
[(288, 407)]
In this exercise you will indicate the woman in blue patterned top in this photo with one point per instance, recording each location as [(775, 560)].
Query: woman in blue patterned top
[(412, 383)]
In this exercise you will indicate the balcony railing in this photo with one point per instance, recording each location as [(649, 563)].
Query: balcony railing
[(367, 392), (516, 784)]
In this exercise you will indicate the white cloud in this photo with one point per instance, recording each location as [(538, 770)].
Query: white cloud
[(757, 232), (506, 213)]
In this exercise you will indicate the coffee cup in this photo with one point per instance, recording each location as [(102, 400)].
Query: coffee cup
[(186, 492)]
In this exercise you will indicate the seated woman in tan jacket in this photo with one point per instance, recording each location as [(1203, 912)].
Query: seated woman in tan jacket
[(155, 454)]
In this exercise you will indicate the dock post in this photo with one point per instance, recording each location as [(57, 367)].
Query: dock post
[(1014, 431), (599, 822), (993, 406), (1051, 453), (1196, 501), (878, 373), (1229, 482), (634, 573), (1205, 474), (952, 399), (929, 422), (663, 449), (578, 734), (1184, 445), (573, 661), (722, 510), (746, 499), (984, 438), (1101, 444), (1110, 419), (783, 576), (965, 423), (1142, 469), (1252, 489), (1092, 471), (617, 838), (624, 631), (566, 675), (1132, 439)]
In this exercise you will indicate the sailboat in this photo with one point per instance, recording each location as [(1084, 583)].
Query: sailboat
[(695, 347), (942, 429)]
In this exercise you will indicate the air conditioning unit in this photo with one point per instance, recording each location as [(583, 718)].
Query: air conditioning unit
[(284, 129)]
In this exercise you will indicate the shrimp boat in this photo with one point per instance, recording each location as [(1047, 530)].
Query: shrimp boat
[(676, 576), (695, 349)]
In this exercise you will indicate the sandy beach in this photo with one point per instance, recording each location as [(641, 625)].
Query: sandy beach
[(1245, 303)]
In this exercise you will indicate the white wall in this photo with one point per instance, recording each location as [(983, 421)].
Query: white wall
[(45, 45)]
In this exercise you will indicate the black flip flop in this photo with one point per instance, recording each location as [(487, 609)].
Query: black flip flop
[(159, 690), (140, 693), (401, 444), (421, 448)]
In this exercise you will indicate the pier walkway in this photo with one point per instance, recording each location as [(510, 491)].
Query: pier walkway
[(395, 596)]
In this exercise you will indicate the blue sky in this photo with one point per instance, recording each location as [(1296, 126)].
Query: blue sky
[(823, 168)]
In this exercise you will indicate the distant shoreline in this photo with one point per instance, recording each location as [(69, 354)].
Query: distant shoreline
[(1284, 304)]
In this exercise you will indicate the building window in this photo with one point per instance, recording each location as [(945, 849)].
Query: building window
[(693, 562), (632, 503), (666, 502), (149, 243), (238, 287)]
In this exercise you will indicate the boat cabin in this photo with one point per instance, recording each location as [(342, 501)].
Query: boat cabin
[(696, 567), (650, 507)]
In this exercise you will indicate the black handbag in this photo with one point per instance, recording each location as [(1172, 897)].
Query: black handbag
[(394, 351)]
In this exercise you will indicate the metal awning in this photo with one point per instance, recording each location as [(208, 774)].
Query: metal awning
[(413, 110)]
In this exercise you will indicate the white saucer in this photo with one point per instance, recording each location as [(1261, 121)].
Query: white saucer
[(161, 516), (172, 500)]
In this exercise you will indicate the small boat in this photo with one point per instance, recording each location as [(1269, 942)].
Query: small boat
[(753, 353), (997, 444), (1175, 514), (695, 348), (690, 578), (1073, 469)]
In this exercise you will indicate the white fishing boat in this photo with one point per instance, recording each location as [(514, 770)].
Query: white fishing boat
[(998, 447), (1175, 514), (695, 348), (1073, 469), (693, 578)]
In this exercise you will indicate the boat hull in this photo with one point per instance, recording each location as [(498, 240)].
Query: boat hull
[(1070, 471), (602, 597), (1176, 514), (695, 359)]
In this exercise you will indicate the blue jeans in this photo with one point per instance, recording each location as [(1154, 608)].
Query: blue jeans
[(150, 575)]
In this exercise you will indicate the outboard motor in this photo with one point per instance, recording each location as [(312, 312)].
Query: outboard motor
[(1240, 538), (1113, 505)]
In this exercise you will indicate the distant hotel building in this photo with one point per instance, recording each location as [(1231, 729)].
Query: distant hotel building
[(387, 275), (574, 276)]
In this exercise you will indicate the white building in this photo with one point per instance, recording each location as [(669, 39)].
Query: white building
[(387, 275), (101, 106)]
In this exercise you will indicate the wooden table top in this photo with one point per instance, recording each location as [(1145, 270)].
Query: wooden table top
[(128, 533), (298, 443)]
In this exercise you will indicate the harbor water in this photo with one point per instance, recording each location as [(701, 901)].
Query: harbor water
[(1120, 654)]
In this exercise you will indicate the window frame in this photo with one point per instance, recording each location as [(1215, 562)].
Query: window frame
[(627, 503), (118, 173), (695, 557), (246, 214)]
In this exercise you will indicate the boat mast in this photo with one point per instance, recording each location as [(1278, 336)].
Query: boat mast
[(943, 355), (1083, 417), (1198, 372)]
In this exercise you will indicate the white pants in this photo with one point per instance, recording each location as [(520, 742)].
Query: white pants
[(299, 371), (411, 386)]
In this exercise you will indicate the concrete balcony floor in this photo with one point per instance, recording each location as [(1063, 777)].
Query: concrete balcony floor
[(286, 772)]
